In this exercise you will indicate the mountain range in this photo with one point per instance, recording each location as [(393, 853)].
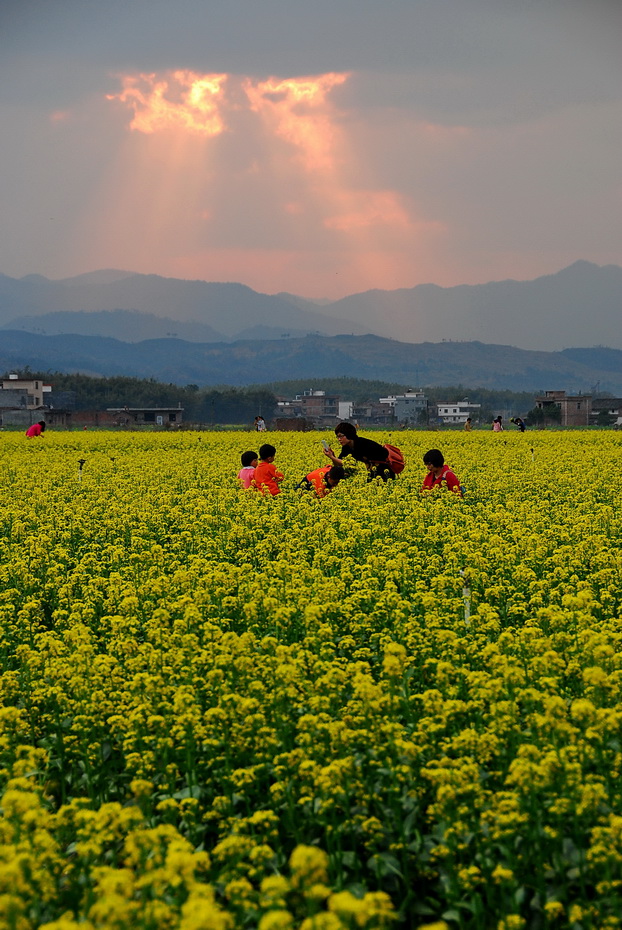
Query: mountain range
[(580, 305), (246, 362)]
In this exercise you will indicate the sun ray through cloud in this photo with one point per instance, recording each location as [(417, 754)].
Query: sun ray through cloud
[(148, 201), (297, 160), (299, 110)]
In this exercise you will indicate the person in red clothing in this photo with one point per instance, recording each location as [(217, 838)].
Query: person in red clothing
[(322, 480), (267, 478), (36, 429), (439, 475)]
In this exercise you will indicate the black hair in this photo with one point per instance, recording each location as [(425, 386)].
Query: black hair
[(248, 458), (42, 424), (435, 458), (266, 451), (336, 473), (348, 430)]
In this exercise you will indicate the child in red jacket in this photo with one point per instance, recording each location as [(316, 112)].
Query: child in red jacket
[(439, 475)]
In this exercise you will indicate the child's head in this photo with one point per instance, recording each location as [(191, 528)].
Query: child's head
[(334, 475), (434, 458), (248, 459), (266, 452)]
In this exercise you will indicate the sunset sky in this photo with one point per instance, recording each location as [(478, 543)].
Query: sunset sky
[(321, 147)]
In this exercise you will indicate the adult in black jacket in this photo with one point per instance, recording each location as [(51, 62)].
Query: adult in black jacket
[(374, 456)]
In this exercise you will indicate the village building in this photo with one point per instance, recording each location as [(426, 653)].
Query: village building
[(23, 401), (456, 414), (376, 413), (410, 407), (33, 389), (312, 405), (609, 408), (146, 416), (574, 409)]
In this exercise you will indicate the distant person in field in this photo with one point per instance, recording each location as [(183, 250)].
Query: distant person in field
[(519, 422), (267, 478), (439, 475), (37, 429), (260, 424), (381, 461), (322, 480), (497, 425), (468, 425), (246, 475)]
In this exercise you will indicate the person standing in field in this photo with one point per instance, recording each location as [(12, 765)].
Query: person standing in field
[(37, 429), (260, 424), (267, 478), (518, 421), (439, 475), (381, 461), (497, 424), (468, 425)]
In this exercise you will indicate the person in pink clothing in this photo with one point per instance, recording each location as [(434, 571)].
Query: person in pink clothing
[(267, 478), (497, 425), (246, 475), (36, 429)]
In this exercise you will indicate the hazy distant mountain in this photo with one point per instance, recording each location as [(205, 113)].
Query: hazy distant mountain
[(580, 305), (132, 326), (251, 362), (598, 357), (227, 309), (127, 325)]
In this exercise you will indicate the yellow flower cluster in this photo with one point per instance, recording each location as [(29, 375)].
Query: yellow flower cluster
[(379, 709)]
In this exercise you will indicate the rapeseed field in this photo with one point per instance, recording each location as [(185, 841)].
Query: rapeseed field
[(379, 709)]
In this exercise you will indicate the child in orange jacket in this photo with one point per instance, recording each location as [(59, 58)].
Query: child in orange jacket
[(267, 478), (322, 480)]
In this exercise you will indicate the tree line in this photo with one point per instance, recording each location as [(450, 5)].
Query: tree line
[(218, 405)]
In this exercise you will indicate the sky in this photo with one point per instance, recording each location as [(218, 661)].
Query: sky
[(318, 147)]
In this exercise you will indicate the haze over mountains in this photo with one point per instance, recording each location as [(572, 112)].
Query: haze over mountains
[(370, 357), (578, 306), (89, 304)]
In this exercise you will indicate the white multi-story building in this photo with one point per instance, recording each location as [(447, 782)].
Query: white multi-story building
[(457, 413)]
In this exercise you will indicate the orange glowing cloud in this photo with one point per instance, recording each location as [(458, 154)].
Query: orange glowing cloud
[(182, 99), (298, 111)]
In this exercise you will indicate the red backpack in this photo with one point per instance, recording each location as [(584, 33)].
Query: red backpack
[(395, 460)]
